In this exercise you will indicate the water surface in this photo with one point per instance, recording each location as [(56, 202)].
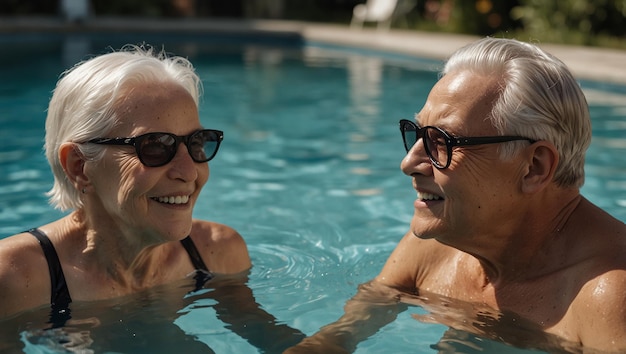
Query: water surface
[(308, 173)]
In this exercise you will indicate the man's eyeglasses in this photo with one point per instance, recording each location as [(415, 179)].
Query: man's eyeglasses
[(438, 144), (158, 149)]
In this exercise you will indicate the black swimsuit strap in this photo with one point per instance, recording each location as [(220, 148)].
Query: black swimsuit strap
[(202, 271), (60, 293), (60, 298), (194, 255)]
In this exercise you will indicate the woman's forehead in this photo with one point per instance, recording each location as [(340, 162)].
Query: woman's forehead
[(163, 108)]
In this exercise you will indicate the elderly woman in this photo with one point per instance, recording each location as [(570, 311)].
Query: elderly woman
[(129, 158)]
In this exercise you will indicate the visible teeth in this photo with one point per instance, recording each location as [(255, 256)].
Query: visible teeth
[(179, 199), (427, 196)]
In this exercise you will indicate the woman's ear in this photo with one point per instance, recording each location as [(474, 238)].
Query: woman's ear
[(73, 163), (543, 160)]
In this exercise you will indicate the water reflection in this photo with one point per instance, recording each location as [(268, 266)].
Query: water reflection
[(165, 319), (75, 49), (476, 328), (605, 165), (365, 75)]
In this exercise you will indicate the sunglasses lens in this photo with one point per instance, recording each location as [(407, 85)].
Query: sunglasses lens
[(436, 146), (203, 145), (156, 149), (409, 134)]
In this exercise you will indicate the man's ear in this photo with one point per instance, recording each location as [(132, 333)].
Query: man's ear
[(73, 163), (543, 160)]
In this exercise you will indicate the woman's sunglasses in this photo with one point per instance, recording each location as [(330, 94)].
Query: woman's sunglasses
[(158, 149)]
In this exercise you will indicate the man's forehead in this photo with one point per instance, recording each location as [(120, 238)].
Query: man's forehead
[(455, 83), (459, 100)]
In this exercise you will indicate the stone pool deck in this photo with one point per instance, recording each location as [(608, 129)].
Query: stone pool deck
[(598, 64)]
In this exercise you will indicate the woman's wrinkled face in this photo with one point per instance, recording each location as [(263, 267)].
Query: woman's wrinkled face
[(156, 202)]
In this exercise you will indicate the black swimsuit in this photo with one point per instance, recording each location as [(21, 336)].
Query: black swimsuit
[(60, 298)]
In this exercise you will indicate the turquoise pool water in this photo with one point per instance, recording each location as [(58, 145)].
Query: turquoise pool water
[(308, 173)]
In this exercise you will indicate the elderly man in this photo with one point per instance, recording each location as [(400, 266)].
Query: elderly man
[(496, 156)]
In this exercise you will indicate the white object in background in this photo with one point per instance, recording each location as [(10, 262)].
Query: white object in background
[(380, 11), (75, 10)]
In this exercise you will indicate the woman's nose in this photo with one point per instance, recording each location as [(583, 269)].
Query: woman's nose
[(182, 165)]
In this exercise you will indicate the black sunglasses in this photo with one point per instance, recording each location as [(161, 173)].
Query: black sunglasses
[(158, 149), (438, 144)]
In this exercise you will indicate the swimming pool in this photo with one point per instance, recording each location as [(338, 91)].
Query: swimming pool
[(308, 173)]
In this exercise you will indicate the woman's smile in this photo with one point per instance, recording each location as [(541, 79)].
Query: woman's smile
[(179, 199)]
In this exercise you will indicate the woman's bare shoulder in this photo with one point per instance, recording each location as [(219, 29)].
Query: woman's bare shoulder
[(214, 233), (18, 251), (222, 247), (24, 276)]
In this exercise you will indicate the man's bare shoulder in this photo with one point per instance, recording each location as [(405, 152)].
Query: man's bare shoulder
[(222, 247), (599, 308), (411, 260), (427, 250), (600, 311)]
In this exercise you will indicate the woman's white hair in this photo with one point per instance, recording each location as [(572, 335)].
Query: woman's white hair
[(539, 99), (82, 106)]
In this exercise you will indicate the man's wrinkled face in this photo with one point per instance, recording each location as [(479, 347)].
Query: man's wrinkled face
[(476, 190)]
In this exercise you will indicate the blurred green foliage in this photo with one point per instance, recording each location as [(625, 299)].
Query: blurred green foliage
[(579, 22), (585, 22)]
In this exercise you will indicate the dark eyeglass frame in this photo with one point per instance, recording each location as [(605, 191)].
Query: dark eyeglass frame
[(170, 152), (450, 141)]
